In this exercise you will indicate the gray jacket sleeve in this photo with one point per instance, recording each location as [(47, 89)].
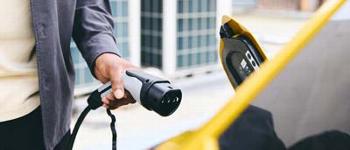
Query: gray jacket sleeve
[(93, 30)]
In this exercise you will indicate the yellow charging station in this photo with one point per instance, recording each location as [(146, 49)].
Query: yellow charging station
[(206, 137)]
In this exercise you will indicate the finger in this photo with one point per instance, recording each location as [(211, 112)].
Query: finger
[(120, 102), (105, 106), (127, 98), (110, 97), (117, 84), (105, 100)]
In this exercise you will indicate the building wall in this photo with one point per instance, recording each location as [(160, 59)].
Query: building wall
[(178, 35), (196, 30), (83, 76), (120, 11), (135, 31), (169, 37), (151, 33)]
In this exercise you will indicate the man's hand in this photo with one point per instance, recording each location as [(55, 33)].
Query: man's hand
[(110, 67)]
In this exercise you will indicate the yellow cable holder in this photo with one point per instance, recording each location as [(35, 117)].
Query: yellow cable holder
[(206, 137)]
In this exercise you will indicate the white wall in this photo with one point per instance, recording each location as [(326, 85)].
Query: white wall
[(169, 36), (224, 7), (135, 31)]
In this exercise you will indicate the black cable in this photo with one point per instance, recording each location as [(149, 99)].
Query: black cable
[(80, 121), (94, 102), (114, 131), (76, 127)]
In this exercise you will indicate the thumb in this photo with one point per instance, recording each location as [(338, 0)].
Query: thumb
[(119, 93), (117, 84)]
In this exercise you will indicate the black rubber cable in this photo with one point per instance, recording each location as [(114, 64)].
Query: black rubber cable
[(77, 126), (80, 121), (113, 129)]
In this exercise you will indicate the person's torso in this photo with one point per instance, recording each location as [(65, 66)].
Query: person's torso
[(18, 66)]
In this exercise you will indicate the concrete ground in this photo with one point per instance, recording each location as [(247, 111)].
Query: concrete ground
[(203, 95)]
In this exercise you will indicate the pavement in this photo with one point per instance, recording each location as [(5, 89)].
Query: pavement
[(203, 96)]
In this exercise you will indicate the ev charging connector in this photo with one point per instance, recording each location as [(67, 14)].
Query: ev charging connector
[(151, 92)]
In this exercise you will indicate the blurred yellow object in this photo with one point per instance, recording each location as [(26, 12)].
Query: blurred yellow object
[(237, 30), (206, 137)]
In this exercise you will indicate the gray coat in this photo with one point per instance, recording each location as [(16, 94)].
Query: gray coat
[(55, 22)]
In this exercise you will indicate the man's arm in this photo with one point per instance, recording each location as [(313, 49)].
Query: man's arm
[(93, 34), (93, 30)]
